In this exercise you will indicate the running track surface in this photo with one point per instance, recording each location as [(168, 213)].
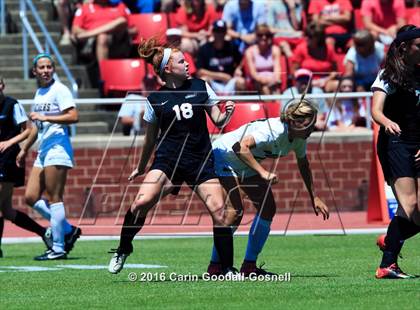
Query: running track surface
[(178, 224)]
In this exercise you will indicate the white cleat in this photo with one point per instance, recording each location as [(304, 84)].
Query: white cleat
[(117, 262)]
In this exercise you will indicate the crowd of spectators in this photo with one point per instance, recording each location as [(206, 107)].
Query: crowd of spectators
[(245, 45)]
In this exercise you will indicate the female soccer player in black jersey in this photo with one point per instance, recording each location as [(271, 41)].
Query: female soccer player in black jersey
[(183, 150), (13, 130), (396, 108)]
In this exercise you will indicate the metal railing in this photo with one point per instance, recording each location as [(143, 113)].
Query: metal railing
[(239, 98), (2, 17), (49, 43)]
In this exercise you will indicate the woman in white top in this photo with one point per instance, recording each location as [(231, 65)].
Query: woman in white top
[(237, 161), (53, 111)]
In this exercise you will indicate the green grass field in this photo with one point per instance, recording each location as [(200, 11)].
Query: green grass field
[(327, 272)]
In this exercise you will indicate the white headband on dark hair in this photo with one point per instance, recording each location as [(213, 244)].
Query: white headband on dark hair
[(165, 59)]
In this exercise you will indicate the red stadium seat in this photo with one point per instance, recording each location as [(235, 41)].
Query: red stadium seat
[(213, 129), (149, 25), (272, 109), (131, 73), (245, 112)]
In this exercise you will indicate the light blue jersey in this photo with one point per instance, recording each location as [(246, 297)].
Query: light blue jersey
[(55, 147)]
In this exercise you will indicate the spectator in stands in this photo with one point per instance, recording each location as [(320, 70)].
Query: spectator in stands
[(242, 17), (302, 83), (383, 18), (347, 113), (195, 18), (335, 16), (218, 62), (363, 60), (285, 20), (412, 12), (263, 62), (219, 6), (65, 9), (102, 24), (131, 113), (317, 56)]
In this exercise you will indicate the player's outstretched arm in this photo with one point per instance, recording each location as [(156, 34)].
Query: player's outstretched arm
[(306, 173), (243, 151)]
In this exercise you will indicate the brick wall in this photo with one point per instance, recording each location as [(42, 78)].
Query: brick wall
[(340, 166)]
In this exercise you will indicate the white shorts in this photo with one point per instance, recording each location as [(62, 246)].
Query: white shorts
[(56, 155), (224, 88)]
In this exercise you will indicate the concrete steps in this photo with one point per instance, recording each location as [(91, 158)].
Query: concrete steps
[(92, 118)]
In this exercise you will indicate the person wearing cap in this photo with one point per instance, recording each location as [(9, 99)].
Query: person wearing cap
[(53, 110), (219, 61), (303, 83), (396, 108), (238, 156), (177, 113), (13, 130)]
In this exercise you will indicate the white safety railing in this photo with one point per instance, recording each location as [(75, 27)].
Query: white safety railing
[(2, 17), (239, 98)]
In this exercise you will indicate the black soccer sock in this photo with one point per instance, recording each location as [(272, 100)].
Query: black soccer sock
[(24, 221), (131, 226), (399, 230), (1, 228), (223, 241), (408, 228)]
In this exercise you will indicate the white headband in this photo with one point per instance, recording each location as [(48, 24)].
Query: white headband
[(165, 59)]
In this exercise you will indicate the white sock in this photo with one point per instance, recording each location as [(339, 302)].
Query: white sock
[(43, 208), (58, 216)]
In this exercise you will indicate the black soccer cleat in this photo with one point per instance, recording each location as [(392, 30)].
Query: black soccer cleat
[(51, 255), (71, 238), (249, 268)]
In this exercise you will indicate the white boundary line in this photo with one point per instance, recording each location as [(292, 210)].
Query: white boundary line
[(325, 232)]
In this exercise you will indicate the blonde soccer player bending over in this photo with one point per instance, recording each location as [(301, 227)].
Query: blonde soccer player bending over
[(238, 155)]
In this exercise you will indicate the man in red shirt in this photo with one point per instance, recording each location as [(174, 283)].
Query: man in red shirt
[(335, 16), (383, 18), (103, 22)]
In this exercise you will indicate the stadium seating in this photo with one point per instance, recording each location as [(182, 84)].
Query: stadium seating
[(245, 112), (149, 25), (131, 73), (213, 129), (272, 109)]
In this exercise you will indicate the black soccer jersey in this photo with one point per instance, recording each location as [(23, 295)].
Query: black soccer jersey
[(181, 116)]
